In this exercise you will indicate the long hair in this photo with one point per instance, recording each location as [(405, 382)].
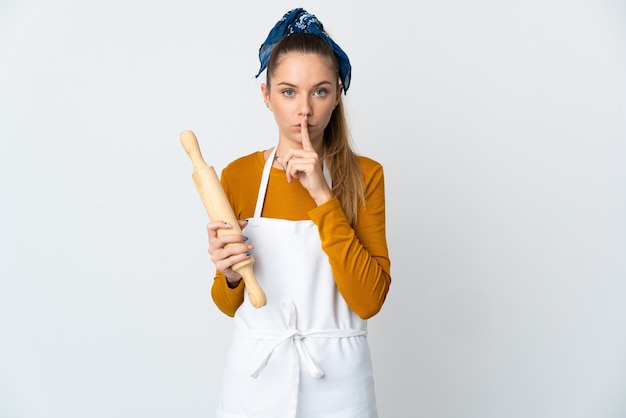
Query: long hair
[(342, 160)]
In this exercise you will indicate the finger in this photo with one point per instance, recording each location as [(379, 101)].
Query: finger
[(243, 224), (228, 257), (228, 245), (304, 130), (212, 227), (226, 239), (237, 258), (234, 250), (286, 165)]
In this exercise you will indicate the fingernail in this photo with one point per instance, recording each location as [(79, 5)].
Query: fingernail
[(248, 254), (245, 238)]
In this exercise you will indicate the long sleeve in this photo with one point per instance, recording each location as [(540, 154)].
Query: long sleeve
[(225, 298), (358, 257)]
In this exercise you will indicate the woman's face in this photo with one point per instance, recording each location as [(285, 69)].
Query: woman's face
[(302, 85)]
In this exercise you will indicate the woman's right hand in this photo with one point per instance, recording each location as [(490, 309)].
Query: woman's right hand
[(227, 249)]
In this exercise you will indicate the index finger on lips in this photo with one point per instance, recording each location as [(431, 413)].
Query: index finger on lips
[(304, 130)]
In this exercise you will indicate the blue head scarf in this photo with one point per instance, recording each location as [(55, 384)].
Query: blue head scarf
[(301, 21)]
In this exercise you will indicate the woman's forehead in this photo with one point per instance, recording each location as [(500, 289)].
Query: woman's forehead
[(297, 65)]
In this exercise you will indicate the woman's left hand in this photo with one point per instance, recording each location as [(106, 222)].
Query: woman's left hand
[(304, 165)]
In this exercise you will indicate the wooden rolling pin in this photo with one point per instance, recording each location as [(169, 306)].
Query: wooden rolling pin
[(218, 208)]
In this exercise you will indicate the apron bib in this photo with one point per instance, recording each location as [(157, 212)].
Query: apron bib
[(305, 353)]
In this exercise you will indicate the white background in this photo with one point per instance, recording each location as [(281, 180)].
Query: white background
[(501, 126)]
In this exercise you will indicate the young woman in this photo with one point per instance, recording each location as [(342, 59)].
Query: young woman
[(314, 215)]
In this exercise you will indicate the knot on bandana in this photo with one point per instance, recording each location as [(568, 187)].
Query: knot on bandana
[(301, 21)]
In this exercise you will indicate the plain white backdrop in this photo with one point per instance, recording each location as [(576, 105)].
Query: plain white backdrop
[(502, 129)]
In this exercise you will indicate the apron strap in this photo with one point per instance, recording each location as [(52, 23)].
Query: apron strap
[(263, 186)]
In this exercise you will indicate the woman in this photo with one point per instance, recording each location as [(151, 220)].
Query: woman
[(316, 225)]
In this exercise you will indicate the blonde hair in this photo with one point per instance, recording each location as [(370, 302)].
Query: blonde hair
[(342, 160)]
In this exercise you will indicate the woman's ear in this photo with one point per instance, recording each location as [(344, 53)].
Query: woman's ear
[(339, 91), (266, 96)]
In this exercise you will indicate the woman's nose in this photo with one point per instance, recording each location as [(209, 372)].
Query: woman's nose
[(305, 106)]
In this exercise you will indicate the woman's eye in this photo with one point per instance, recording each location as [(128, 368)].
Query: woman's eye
[(320, 92), (288, 92)]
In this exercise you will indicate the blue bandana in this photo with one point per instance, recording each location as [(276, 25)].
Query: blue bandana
[(301, 21)]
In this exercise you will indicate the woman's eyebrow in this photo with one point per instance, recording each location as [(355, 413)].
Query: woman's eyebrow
[(286, 83)]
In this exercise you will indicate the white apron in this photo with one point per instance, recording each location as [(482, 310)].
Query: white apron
[(305, 353)]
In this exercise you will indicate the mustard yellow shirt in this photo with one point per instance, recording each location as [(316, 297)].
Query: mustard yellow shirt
[(358, 256)]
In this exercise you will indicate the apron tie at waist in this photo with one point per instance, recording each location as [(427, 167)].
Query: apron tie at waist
[(297, 338)]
